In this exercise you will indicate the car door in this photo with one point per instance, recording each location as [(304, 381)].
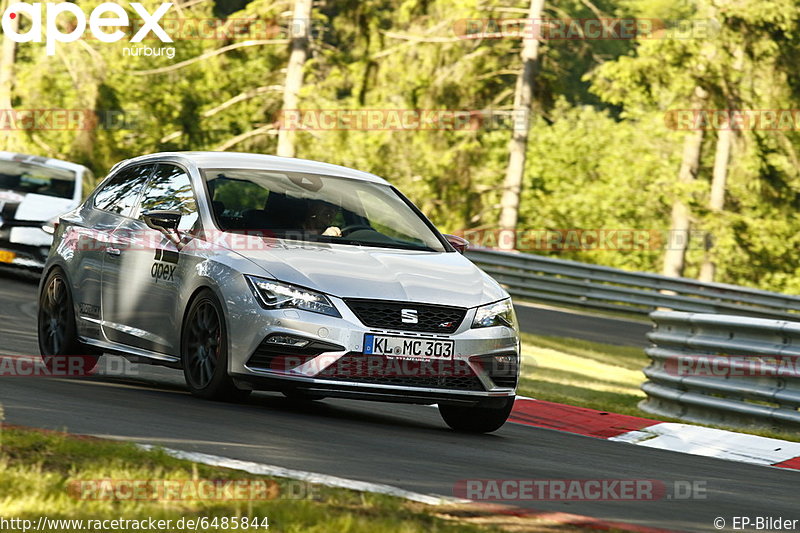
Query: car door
[(150, 271), (116, 297), (88, 236)]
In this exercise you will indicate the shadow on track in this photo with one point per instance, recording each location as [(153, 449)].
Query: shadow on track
[(171, 395), (29, 277)]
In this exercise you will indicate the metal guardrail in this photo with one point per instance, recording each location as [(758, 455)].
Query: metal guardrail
[(693, 375), (545, 279)]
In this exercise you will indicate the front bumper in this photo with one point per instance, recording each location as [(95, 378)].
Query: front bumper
[(355, 391), (336, 366)]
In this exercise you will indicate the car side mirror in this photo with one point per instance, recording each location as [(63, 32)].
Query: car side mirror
[(165, 221), (459, 243)]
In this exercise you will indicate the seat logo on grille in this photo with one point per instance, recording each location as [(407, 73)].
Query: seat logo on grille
[(409, 316)]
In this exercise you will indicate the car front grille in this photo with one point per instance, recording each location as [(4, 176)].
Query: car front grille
[(407, 316), (379, 370)]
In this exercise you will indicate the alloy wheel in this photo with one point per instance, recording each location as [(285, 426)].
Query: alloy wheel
[(203, 343)]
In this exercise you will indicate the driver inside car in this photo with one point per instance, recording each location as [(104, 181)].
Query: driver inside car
[(320, 217)]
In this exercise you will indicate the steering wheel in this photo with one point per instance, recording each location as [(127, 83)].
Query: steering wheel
[(347, 230)]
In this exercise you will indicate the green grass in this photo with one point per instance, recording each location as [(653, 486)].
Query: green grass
[(594, 375), (588, 374), (36, 469)]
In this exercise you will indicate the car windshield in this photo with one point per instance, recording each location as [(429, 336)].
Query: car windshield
[(25, 177), (317, 208)]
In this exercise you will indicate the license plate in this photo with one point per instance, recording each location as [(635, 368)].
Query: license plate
[(7, 257), (408, 347)]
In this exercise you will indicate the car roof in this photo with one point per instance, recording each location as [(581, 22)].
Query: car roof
[(205, 160), (40, 160)]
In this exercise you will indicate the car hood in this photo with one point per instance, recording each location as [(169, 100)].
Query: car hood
[(32, 207), (380, 273)]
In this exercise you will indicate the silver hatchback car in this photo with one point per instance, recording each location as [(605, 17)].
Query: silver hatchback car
[(254, 272)]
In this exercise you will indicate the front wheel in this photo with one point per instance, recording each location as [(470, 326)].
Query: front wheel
[(204, 351), (477, 419)]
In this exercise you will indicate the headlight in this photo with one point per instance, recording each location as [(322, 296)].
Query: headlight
[(497, 314), (276, 295), (50, 226)]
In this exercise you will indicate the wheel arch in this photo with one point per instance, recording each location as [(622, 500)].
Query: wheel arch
[(47, 271)]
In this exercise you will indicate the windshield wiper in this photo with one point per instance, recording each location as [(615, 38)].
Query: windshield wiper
[(374, 244)]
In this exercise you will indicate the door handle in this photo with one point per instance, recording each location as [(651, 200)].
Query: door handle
[(113, 251)]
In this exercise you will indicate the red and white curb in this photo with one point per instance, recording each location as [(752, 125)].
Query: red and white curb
[(684, 438)]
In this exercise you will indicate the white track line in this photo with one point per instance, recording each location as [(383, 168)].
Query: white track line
[(310, 477)]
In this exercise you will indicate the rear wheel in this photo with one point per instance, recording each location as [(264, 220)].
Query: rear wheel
[(59, 345), (477, 419), (204, 351)]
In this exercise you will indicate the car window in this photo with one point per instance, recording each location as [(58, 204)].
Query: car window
[(317, 208), (120, 194), (30, 178), (381, 215), (238, 196), (170, 189)]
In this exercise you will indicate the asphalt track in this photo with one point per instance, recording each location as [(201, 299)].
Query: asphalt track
[(405, 446), (559, 323)]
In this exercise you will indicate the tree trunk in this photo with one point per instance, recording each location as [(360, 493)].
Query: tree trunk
[(301, 29), (517, 147), (719, 178), (678, 240), (716, 201), (7, 60)]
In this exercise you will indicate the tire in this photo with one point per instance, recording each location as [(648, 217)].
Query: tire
[(204, 351), (476, 419), (59, 346)]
